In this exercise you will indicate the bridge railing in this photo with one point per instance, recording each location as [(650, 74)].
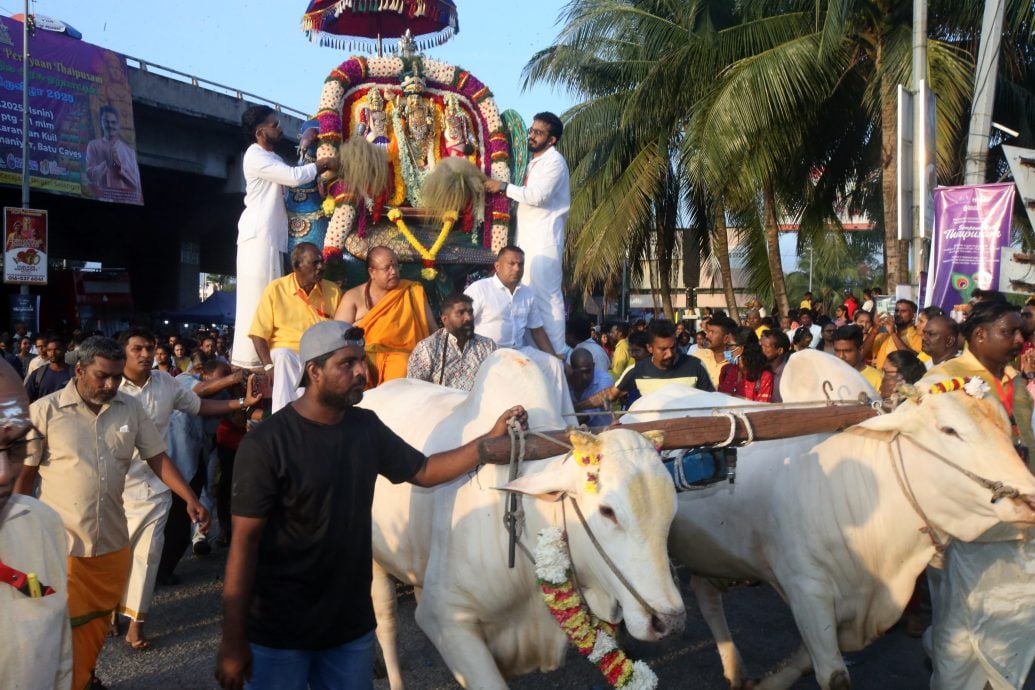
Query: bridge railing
[(146, 66)]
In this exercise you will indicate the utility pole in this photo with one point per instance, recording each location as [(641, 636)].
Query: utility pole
[(920, 148), (26, 30), (984, 92)]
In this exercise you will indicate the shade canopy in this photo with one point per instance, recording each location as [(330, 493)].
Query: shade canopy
[(352, 24)]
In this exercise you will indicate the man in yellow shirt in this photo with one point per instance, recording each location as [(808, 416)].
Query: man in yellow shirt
[(714, 356), (621, 359), (895, 332), (848, 348), (287, 307)]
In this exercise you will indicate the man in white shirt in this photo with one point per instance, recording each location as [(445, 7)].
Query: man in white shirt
[(543, 203), (805, 319), (262, 232), (146, 500), (506, 311)]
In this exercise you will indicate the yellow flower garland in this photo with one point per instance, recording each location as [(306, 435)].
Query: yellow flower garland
[(428, 255)]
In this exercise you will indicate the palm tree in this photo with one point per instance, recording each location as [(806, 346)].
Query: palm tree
[(630, 189)]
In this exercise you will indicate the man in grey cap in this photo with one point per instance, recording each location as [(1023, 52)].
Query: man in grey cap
[(297, 610)]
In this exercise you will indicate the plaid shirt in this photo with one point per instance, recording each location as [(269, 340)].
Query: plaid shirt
[(438, 359)]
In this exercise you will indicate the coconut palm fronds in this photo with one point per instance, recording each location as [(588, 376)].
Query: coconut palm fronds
[(364, 167)]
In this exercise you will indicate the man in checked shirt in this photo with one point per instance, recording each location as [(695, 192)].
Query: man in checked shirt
[(452, 355)]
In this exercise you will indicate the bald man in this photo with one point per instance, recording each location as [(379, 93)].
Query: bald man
[(940, 339), (394, 314), (32, 540)]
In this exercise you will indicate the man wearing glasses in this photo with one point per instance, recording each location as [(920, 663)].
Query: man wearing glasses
[(543, 202), (262, 232), (34, 609)]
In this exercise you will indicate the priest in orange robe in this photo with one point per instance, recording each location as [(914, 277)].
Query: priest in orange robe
[(394, 313)]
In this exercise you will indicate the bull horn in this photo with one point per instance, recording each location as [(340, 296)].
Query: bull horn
[(656, 437)]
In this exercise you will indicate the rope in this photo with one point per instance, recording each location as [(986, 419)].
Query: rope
[(607, 559), (514, 514), (907, 490), (733, 428)]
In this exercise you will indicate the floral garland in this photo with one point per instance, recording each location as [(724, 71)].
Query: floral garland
[(427, 255), (594, 638)]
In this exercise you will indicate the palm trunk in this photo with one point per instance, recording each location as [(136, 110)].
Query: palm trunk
[(721, 248), (664, 236), (772, 244), (895, 270)]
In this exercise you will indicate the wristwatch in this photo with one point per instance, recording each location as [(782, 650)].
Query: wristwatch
[(240, 401), (268, 367)]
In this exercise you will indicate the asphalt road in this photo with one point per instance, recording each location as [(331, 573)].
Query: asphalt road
[(185, 619)]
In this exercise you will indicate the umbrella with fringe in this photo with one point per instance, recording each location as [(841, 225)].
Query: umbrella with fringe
[(362, 24)]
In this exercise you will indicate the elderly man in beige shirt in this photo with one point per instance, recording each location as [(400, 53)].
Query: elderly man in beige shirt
[(91, 430)]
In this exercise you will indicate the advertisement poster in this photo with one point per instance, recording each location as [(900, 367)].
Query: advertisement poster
[(81, 136), (25, 309), (971, 226), (25, 246)]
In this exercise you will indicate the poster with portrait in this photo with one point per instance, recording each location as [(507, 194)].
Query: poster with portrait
[(25, 246), (81, 136)]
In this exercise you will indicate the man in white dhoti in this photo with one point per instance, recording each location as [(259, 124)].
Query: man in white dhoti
[(543, 202), (262, 232), (147, 501), (506, 312)]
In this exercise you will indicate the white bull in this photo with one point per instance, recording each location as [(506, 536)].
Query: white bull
[(488, 621), (825, 520)]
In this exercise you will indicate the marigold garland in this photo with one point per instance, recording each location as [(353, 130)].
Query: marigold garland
[(427, 255), (592, 637)]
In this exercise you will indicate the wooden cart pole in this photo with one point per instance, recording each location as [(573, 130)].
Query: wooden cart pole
[(692, 432)]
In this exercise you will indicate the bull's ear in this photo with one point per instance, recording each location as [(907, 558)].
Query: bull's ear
[(656, 437), (544, 486)]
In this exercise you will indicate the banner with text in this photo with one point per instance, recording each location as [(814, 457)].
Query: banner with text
[(971, 226), (81, 136), (25, 246)]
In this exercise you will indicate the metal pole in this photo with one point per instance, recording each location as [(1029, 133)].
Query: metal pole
[(812, 265), (25, 106), (984, 92), (625, 288), (24, 289), (919, 140)]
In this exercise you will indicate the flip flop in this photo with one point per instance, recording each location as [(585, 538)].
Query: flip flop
[(139, 645)]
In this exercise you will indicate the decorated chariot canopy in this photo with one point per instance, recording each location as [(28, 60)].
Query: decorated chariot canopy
[(362, 24)]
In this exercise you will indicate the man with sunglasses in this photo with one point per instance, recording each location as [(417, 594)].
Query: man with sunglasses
[(34, 610), (544, 198), (262, 232)]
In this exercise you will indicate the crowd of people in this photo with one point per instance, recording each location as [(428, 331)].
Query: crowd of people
[(131, 443)]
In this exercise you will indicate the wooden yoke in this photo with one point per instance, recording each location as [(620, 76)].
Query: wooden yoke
[(694, 432)]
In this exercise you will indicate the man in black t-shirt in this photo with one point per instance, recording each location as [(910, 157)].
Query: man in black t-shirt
[(665, 362), (296, 599)]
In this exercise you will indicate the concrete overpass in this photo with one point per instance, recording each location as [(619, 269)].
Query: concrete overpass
[(189, 148)]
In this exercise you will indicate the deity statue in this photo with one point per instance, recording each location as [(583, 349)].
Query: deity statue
[(455, 133), (373, 123), (413, 121)]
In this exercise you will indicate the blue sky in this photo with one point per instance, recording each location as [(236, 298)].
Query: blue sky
[(258, 46)]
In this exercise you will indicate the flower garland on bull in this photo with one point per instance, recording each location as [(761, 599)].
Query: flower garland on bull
[(493, 150), (592, 637)]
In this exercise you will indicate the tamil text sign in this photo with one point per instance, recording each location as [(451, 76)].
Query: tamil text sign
[(81, 136)]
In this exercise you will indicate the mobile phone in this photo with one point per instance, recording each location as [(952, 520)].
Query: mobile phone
[(263, 385)]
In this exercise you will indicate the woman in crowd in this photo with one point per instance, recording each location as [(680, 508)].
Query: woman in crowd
[(747, 375), (840, 315), (802, 339), (901, 366)]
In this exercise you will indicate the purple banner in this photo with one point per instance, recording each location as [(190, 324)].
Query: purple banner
[(81, 136), (971, 226)]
